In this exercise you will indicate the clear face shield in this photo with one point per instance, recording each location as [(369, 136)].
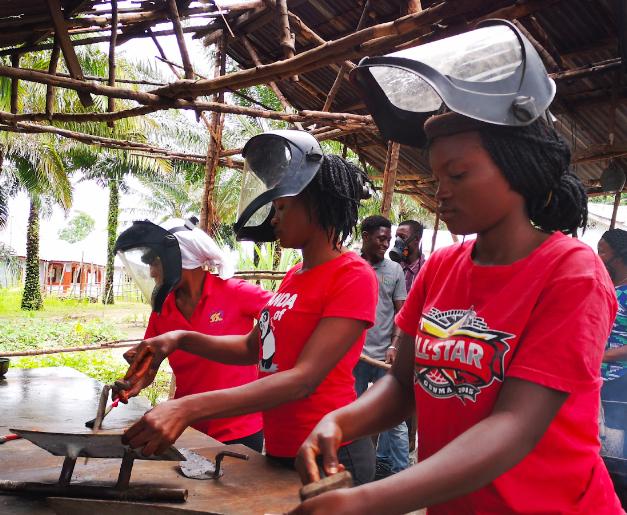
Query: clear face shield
[(492, 74), (276, 164), (145, 268)]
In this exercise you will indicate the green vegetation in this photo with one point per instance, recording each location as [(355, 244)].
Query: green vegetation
[(77, 228)]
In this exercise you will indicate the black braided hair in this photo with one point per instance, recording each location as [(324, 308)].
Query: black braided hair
[(535, 160), (617, 240), (334, 195)]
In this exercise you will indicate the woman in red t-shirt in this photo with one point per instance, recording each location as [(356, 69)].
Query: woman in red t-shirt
[(311, 332), (503, 336), (210, 304)]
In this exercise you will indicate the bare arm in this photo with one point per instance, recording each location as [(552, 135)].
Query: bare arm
[(617, 354), (392, 350), (520, 418), (329, 342)]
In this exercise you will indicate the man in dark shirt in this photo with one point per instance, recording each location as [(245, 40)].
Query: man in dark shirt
[(410, 231)]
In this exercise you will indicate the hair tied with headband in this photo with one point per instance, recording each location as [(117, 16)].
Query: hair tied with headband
[(198, 249)]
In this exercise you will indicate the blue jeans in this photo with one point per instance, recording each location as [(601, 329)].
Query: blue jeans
[(393, 445)]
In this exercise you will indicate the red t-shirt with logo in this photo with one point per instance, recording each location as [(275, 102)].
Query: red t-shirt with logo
[(543, 319), (344, 287), (225, 307)]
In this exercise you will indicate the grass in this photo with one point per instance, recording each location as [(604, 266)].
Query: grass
[(73, 323)]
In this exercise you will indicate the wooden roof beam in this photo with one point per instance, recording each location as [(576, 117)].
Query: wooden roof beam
[(71, 60), (180, 39)]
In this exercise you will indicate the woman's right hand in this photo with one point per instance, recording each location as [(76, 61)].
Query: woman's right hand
[(324, 441), (158, 349)]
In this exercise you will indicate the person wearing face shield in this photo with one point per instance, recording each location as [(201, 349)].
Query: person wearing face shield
[(201, 301), (502, 337), (310, 333), (407, 249)]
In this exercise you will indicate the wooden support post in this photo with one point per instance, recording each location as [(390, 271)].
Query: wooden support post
[(617, 199), (287, 37), (52, 69), (61, 34), (436, 226), (15, 84), (345, 67), (208, 215), (389, 177), (112, 44), (180, 39), (273, 85)]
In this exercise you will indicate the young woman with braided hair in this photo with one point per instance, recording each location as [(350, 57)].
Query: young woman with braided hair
[(503, 336), (311, 332)]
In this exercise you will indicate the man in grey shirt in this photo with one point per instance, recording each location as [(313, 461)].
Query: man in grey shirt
[(376, 231)]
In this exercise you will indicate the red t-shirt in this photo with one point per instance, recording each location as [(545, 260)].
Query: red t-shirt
[(344, 287), (226, 307), (544, 319)]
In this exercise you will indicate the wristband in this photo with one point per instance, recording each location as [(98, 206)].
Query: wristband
[(392, 347)]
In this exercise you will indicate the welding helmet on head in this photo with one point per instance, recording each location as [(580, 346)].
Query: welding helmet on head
[(152, 257), (491, 74), (277, 164)]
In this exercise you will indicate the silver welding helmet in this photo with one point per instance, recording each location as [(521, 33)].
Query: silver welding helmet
[(491, 74), (152, 257), (277, 164)]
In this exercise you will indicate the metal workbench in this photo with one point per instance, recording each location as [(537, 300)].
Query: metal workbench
[(62, 399)]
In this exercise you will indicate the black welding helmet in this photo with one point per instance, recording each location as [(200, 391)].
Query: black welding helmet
[(152, 257), (491, 74), (277, 164)]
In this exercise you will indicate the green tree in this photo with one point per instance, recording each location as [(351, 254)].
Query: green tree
[(78, 228)]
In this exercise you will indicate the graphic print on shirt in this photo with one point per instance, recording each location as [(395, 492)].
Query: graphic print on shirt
[(282, 302), (217, 316), (267, 342), (457, 354)]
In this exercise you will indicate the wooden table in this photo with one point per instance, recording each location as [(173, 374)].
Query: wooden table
[(62, 399)]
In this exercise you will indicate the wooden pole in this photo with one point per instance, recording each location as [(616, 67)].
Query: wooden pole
[(71, 60), (617, 199), (112, 44), (180, 39), (15, 84), (208, 214), (52, 69), (273, 85), (287, 37), (345, 66), (389, 177)]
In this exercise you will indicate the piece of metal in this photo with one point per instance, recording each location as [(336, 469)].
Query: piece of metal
[(199, 467), (125, 471), (102, 404), (138, 493), (66, 471), (98, 445), (68, 506)]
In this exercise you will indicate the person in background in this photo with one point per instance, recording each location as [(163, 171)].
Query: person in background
[(382, 338), (612, 249), (407, 249), (209, 304), (311, 331)]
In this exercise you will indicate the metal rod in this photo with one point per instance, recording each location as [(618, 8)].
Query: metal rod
[(67, 471), (221, 455), (125, 471)]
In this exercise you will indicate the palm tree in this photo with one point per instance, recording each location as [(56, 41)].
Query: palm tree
[(38, 169)]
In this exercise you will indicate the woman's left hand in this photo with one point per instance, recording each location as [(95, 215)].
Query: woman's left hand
[(342, 501), (158, 428)]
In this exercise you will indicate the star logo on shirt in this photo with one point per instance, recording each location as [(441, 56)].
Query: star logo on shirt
[(457, 354), (217, 316)]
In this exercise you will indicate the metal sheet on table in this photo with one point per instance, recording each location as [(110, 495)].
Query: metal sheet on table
[(90, 445)]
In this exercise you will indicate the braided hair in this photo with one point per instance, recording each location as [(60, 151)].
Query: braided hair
[(535, 160), (617, 240), (333, 196)]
